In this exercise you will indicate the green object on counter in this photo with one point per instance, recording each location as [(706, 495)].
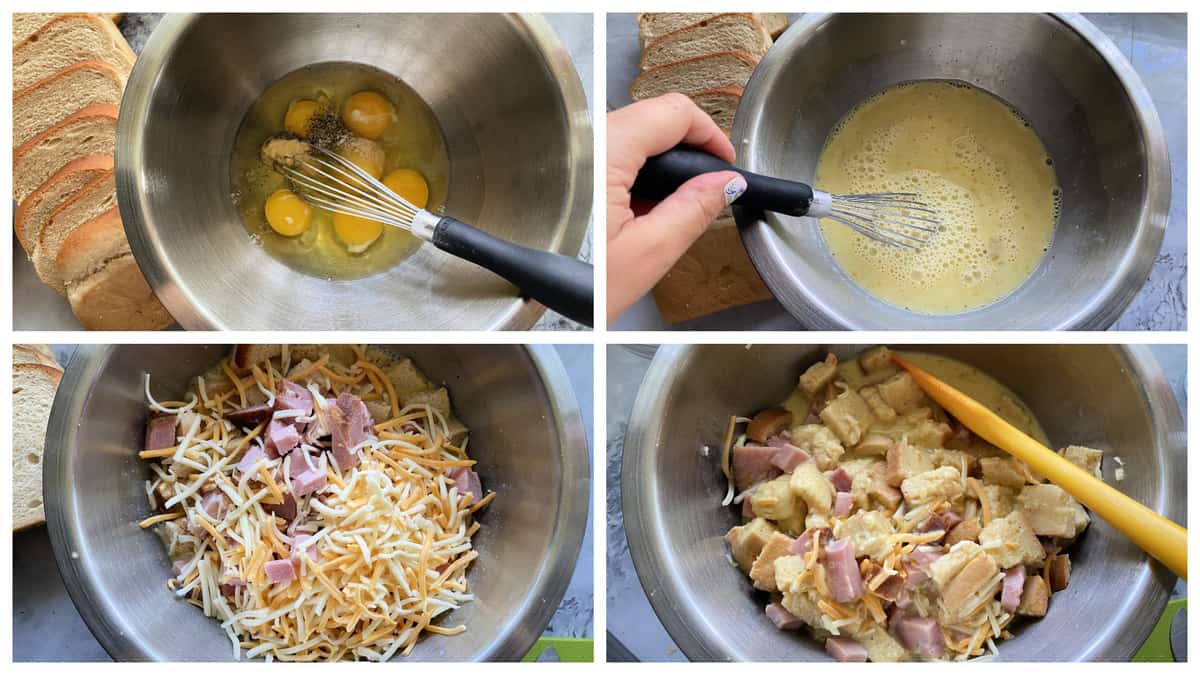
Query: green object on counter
[(1158, 645), (568, 650)]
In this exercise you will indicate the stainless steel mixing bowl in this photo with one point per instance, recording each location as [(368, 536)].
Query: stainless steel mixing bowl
[(526, 433), (1114, 398), (511, 109), (1071, 82)]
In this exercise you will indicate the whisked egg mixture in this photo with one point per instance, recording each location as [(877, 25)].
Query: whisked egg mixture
[(367, 116), (972, 158)]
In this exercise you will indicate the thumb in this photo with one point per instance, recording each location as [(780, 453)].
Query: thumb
[(679, 220)]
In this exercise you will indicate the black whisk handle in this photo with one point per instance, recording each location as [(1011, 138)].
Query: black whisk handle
[(559, 282), (663, 174)]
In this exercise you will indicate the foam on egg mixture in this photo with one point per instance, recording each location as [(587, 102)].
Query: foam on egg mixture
[(974, 160)]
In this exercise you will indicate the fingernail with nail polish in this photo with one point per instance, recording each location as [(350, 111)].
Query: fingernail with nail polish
[(734, 189)]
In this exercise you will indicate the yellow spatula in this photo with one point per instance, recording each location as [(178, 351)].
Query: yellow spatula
[(1164, 540)]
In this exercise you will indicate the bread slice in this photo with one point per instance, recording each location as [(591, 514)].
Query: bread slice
[(89, 247), (92, 200), (34, 386), (66, 40), (117, 297), (774, 22), (724, 32), (91, 131), (694, 75), (52, 99), (715, 274), (720, 104), (35, 209), (27, 23), (34, 354), (653, 25)]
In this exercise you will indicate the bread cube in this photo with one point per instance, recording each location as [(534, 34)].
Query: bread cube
[(1035, 597), (747, 541), (948, 566), (1051, 511), (819, 442), (437, 399), (774, 500), (977, 579), (816, 520), (1010, 541), (923, 488), (788, 568), (1002, 471), (905, 461), (869, 531), (902, 393), (954, 458), (802, 607), (1088, 459), (407, 379), (848, 416), (813, 487), (967, 530), (819, 375), (928, 433), (876, 359), (794, 525), (762, 572), (879, 407), (881, 646)]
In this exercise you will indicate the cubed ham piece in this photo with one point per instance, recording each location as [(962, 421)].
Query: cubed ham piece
[(286, 510), (920, 635), (845, 579), (251, 459), (280, 571), (282, 438), (915, 576), (231, 581), (298, 546), (803, 544), (467, 482), (891, 588), (753, 464), (842, 504), (748, 506), (292, 396), (160, 432), (787, 456), (350, 424), (783, 619), (214, 504), (1014, 584), (299, 462), (846, 650), (943, 521), (924, 556), (251, 416), (309, 482), (840, 479)]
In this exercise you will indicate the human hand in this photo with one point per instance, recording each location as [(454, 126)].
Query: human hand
[(643, 243)]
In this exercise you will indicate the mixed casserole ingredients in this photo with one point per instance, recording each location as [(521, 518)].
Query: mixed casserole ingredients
[(318, 502), (886, 528)]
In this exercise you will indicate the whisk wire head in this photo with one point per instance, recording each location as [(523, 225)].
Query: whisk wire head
[(898, 219), (329, 181)]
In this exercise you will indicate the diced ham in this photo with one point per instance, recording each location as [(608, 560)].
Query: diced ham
[(842, 504), (286, 510), (214, 504), (250, 459), (309, 482), (919, 635), (160, 432), (350, 423), (846, 650), (231, 581), (753, 464), (1014, 585), (783, 619), (925, 556), (803, 543), (282, 438), (300, 462), (840, 479), (943, 521), (298, 546), (467, 482), (748, 506), (787, 456), (845, 579), (251, 416), (915, 576), (280, 571), (292, 396), (891, 588)]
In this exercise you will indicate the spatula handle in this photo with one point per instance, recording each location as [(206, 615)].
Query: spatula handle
[(559, 282), (663, 174)]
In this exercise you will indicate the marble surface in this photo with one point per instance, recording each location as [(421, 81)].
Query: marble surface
[(1156, 45), (47, 627), (631, 619), (51, 312)]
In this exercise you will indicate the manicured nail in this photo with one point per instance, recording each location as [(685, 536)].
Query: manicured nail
[(734, 189)]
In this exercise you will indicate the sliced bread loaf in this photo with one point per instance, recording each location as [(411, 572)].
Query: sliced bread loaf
[(117, 298), (653, 25), (724, 32), (34, 386), (89, 247), (52, 99), (716, 273), (27, 23), (91, 131), (694, 75), (34, 354), (35, 209), (92, 200), (774, 22), (66, 40), (720, 104)]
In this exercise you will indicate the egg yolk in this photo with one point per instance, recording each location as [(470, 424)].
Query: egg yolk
[(409, 184), (365, 154), (368, 114), (356, 233), (299, 114), (287, 214)]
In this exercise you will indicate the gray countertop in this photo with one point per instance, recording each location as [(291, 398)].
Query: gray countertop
[(46, 626), (631, 619), (49, 311), (1156, 45)]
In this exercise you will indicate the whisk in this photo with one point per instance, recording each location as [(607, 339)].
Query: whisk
[(329, 181), (898, 219)]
